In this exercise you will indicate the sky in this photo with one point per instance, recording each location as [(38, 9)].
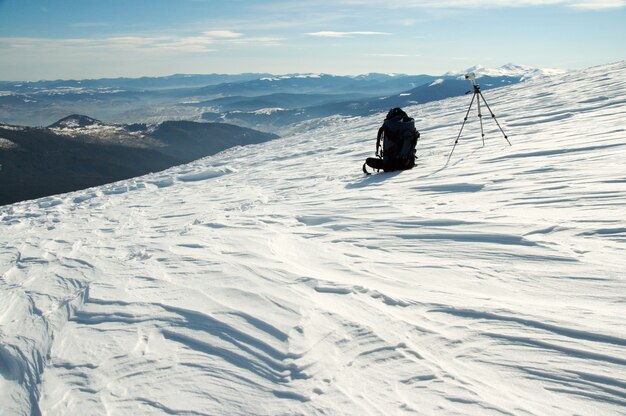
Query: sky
[(81, 39)]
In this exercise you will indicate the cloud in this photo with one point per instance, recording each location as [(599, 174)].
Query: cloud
[(581, 4), (478, 4), (390, 55), (137, 44), (223, 34), (599, 5), (208, 41), (330, 34), (88, 25)]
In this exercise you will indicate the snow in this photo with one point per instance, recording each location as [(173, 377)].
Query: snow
[(269, 110), (510, 70), (277, 279), (78, 90), (292, 76), (309, 76), (10, 127), (7, 144), (436, 82), (72, 128)]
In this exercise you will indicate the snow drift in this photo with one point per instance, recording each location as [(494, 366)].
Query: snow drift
[(277, 279)]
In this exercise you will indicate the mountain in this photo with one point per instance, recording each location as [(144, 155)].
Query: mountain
[(286, 119), (38, 162), (278, 279), (153, 100), (372, 84), (175, 81), (79, 152), (188, 140), (244, 98), (277, 100), (442, 88), (115, 100), (523, 72), (75, 121)]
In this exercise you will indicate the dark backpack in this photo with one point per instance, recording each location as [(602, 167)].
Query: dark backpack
[(396, 141)]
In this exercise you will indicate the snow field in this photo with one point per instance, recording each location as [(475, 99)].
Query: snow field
[(277, 279)]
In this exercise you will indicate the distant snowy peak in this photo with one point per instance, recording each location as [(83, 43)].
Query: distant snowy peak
[(436, 82), (368, 76), (269, 110), (524, 72), (379, 75), (6, 126), (292, 76), (75, 121)]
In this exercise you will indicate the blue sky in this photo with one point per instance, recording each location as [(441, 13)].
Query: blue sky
[(52, 39)]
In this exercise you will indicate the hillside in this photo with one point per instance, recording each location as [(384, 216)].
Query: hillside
[(79, 152), (277, 279)]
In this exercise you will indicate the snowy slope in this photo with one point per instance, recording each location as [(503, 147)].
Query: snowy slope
[(524, 72), (277, 279)]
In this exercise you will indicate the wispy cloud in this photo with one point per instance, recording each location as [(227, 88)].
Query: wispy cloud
[(390, 55), (90, 24), (121, 43), (223, 34), (331, 34), (208, 41), (599, 5), (475, 4)]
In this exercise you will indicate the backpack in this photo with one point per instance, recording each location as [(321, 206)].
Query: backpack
[(396, 141)]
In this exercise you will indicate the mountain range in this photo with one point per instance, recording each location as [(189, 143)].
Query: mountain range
[(286, 120), (271, 103)]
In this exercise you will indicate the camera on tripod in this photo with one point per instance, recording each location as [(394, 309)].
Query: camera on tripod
[(478, 95), (471, 77)]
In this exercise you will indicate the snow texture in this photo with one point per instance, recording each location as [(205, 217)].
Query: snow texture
[(276, 279), (510, 70)]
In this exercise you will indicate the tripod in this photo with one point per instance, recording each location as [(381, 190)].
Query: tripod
[(477, 95)]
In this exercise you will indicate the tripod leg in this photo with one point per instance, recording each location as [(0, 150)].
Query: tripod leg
[(462, 125), (495, 119), (480, 117)]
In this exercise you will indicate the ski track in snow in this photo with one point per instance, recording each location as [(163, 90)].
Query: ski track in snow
[(277, 279)]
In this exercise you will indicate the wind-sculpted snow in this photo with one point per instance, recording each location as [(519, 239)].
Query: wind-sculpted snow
[(277, 279)]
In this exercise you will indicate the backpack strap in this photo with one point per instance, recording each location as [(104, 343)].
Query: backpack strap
[(379, 136), (365, 170)]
